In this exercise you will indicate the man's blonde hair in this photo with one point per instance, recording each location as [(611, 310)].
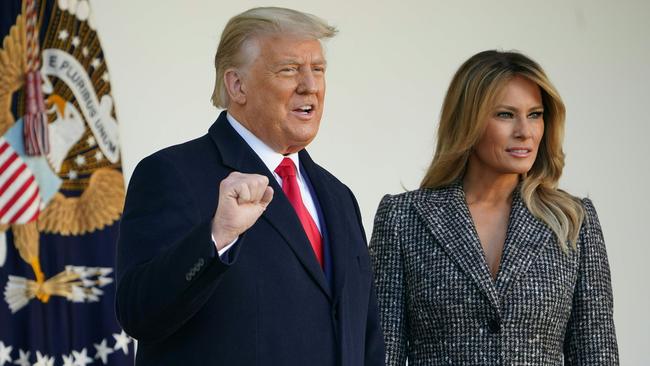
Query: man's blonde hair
[(254, 23), (470, 98)]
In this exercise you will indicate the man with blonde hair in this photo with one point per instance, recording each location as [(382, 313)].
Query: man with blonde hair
[(236, 248)]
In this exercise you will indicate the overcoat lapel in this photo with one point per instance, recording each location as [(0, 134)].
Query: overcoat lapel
[(526, 238), (446, 215), (280, 214), (335, 221)]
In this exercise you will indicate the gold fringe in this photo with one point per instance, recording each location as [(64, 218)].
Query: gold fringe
[(12, 70), (99, 205)]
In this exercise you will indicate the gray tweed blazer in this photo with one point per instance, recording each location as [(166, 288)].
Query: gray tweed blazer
[(440, 306)]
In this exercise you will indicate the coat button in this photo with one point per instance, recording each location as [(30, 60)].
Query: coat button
[(494, 326)]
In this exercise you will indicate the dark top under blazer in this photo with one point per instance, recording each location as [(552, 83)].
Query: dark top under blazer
[(440, 306), (272, 304)]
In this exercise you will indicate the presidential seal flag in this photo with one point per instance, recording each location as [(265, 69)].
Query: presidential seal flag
[(61, 189)]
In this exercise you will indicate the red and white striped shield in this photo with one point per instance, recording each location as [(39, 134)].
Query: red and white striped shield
[(19, 194)]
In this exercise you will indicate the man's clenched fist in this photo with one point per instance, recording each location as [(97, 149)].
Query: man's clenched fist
[(242, 199)]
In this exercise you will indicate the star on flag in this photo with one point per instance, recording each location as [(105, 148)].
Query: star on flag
[(103, 351), (43, 360), (63, 34), (81, 358), (68, 360), (80, 160), (5, 353), (23, 359), (122, 341)]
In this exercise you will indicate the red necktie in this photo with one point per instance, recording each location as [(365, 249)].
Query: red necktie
[(287, 171)]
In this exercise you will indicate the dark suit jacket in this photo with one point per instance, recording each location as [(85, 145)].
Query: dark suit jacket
[(272, 305), (440, 306)]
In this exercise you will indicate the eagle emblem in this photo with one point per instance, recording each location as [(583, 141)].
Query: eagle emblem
[(77, 186)]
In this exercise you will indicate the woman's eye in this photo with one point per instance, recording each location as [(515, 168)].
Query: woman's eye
[(504, 114), (536, 115)]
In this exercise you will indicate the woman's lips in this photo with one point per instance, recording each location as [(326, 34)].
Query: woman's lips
[(519, 152)]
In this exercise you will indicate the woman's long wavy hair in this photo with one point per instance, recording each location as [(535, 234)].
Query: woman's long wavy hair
[(469, 100)]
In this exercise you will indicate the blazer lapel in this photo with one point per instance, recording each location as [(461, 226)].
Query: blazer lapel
[(334, 221), (525, 239), (448, 218), (280, 214)]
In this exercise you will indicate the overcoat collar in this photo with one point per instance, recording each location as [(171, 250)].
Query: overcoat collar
[(446, 214)]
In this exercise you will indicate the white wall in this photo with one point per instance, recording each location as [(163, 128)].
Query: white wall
[(388, 70)]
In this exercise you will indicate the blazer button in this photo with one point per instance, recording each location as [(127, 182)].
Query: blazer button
[(494, 326)]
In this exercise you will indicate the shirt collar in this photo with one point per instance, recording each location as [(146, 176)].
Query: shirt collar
[(269, 157)]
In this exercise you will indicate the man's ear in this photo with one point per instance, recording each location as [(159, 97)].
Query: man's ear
[(234, 81)]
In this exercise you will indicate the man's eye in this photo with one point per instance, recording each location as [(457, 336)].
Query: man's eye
[(319, 69), (288, 69), (504, 114)]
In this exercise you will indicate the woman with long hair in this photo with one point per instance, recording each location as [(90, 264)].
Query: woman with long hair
[(489, 262)]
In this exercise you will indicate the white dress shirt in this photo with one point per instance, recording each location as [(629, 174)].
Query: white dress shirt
[(272, 159)]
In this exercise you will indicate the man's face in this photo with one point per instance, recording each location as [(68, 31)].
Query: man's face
[(284, 91)]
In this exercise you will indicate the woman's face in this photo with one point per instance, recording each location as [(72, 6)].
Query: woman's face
[(515, 126)]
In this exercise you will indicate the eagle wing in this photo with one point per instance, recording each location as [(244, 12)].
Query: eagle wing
[(13, 65), (98, 206)]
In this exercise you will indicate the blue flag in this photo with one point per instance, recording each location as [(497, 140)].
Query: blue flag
[(61, 189)]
